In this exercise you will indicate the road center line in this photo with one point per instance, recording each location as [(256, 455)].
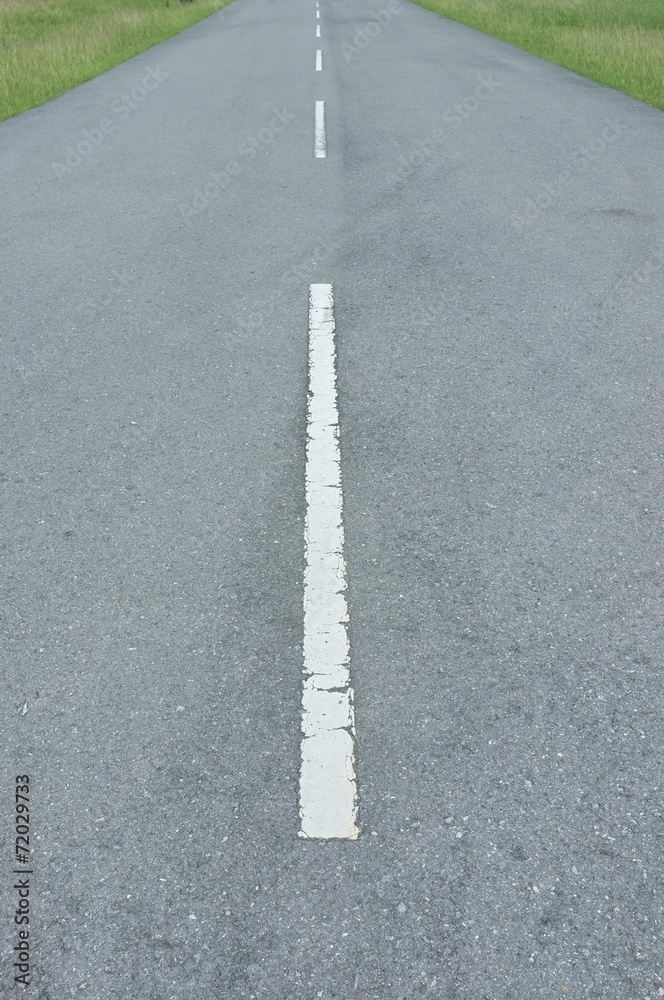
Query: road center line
[(318, 31), (320, 142), (328, 789), (317, 13), (319, 59)]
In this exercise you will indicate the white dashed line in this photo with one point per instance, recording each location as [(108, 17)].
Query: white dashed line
[(317, 13), (318, 31), (328, 789), (320, 142), (319, 59)]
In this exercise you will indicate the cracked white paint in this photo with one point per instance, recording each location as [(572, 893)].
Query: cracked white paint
[(328, 789), (320, 141)]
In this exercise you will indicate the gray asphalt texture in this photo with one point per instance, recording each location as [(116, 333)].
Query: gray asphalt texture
[(499, 316)]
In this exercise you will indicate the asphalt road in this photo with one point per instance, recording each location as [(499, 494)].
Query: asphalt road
[(498, 305)]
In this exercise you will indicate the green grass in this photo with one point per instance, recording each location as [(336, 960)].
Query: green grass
[(617, 42), (48, 46)]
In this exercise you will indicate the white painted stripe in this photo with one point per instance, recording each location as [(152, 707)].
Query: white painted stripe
[(319, 59), (318, 31), (317, 13), (320, 142), (328, 789)]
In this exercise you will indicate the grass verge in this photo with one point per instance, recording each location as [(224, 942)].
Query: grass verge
[(617, 42), (49, 46)]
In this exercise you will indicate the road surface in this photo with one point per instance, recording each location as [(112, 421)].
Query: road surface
[(491, 228)]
